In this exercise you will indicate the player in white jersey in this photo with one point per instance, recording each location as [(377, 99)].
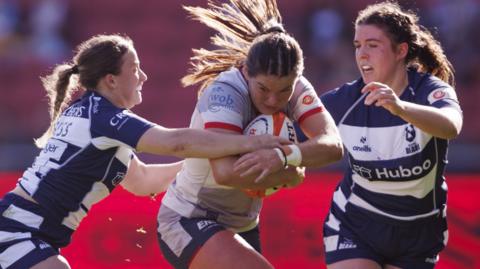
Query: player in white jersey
[(89, 149), (395, 121), (207, 218)]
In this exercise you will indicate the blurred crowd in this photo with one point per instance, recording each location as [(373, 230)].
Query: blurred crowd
[(37, 34)]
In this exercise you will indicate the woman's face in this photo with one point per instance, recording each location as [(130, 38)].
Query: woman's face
[(270, 93), (129, 81), (374, 54)]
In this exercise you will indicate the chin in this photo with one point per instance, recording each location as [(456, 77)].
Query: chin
[(268, 111), (368, 79)]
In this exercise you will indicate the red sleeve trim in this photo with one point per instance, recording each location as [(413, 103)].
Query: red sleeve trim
[(221, 125), (310, 113)]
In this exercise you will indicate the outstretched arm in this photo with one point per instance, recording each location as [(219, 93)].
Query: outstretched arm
[(147, 179), (194, 143)]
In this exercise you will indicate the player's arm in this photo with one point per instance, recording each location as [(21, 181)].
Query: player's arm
[(445, 122), (323, 147), (194, 143), (224, 174), (147, 179)]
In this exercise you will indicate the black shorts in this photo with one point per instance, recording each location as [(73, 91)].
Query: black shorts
[(180, 238), (363, 234)]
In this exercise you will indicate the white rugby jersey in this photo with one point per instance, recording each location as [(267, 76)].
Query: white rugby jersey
[(395, 169), (226, 104), (87, 156)]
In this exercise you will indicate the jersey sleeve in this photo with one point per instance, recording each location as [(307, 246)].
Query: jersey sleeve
[(442, 95), (305, 101), (222, 106), (118, 127)]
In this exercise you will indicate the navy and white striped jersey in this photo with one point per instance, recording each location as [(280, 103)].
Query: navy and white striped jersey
[(86, 157), (395, 169)]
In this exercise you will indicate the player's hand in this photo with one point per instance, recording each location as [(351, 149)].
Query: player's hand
[(382, 95), (263, 161), (299, 178), (268, 141)]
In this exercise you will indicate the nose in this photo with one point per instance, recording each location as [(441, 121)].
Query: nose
[(271, 100), (144, 76), (361, 53)]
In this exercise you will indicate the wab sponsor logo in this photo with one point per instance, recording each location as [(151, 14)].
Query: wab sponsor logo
[(219, 99)]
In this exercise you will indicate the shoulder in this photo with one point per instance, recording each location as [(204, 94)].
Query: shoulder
[(228, 91), (339, 100), (108, 118), (430, 88), (346, 93), (425, 82), (303, 84)]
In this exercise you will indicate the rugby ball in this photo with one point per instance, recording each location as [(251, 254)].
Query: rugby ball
[(277, 124)]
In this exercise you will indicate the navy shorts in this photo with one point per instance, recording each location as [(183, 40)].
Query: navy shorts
[(21, 242), (180, 238), (363, 234)]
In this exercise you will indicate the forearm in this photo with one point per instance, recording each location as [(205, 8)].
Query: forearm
[(225, 175), (444, 123), (321, 151), (148, 179), (324, 145), (193, 143)]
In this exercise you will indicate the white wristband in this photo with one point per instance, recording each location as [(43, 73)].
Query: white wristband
[(282, 156), (295, 157)]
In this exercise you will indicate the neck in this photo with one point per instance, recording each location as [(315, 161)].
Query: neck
[(399, 81), (108, 94)]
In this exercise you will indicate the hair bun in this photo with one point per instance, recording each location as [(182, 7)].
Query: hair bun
[(278, 28)]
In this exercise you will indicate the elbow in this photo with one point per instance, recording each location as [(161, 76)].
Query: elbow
[(452, 131), (336, 151)]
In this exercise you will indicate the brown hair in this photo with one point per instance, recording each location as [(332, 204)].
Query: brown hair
[(424, 51), (94, 59), (250, 32)]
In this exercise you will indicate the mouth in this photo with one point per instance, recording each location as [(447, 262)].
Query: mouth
[(366, 69)]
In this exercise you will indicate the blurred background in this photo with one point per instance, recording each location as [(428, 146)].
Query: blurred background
[(37, 34)]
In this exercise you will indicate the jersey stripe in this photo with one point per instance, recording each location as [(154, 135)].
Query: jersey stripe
[(221, 125)]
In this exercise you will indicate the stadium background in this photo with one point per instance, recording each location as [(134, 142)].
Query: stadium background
[(120, 233)]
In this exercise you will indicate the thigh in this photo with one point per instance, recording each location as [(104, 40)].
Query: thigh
[(226, 249), (180, 238), (355, 264), (253, 238), (53, 262)]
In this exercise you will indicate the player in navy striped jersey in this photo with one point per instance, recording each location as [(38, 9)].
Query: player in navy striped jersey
[(89, 149), (395, 122), (207, 219)]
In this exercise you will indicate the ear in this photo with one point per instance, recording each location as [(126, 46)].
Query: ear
[(402, 50), (110, 81), (245, 72)]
